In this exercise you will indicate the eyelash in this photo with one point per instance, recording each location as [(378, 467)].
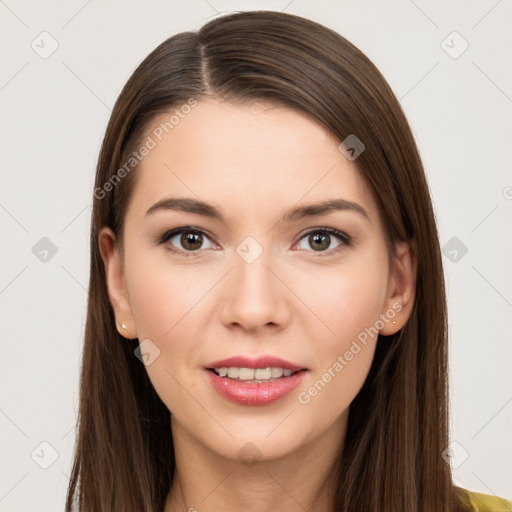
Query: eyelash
[(345, 240)]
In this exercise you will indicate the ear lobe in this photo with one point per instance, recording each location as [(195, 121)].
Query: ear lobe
[(114, 275), (401, 289)]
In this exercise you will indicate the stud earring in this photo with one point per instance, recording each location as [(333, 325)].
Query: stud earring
[(394, 322), (119, 328)]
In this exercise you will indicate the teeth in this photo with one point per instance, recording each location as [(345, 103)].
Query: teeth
[(253, 373), (243, 373), (263, 373), (233, 373), (276, 373)]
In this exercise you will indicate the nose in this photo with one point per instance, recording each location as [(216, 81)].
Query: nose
[(254, 296)]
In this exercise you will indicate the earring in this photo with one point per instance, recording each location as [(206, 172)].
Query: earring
[(119, 328), (394, 322)]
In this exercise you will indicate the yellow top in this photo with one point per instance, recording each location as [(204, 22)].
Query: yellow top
[(487, 503)]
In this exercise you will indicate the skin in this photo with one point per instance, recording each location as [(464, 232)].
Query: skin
[(254, 162)]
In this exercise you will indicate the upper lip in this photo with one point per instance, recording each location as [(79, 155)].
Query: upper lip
[(264, 361)]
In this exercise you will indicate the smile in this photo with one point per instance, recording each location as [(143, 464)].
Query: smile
[(254, 381), (253, 374)]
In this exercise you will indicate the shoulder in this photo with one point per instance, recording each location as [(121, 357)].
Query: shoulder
[(479, 502)]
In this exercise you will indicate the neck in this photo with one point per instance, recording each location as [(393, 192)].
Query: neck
[(206, 481)]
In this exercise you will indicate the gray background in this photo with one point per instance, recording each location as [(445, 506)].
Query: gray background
[(54, 113)]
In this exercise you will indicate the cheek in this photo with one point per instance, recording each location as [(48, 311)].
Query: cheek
[(162, 295), (343, 359), (349, 302), (165, 300), (347, 298)]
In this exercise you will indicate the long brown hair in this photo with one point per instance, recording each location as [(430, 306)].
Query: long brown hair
[(398, 423)]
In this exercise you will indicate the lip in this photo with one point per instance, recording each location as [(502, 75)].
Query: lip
[(254, 393), (264, 361)]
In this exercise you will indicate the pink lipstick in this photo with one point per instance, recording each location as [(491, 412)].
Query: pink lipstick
[(254, 381)]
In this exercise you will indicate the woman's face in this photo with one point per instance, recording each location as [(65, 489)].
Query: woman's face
[(248, 278)]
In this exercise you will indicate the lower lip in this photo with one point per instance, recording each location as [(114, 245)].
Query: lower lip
[(255, 393)]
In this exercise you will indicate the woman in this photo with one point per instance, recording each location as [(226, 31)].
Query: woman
[(266, 321)]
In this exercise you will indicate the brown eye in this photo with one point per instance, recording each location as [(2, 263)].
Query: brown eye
[(321, 240), (191, 241), (186, 240)]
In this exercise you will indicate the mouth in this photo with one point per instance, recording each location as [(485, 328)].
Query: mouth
[(260, 381), (253, 375)]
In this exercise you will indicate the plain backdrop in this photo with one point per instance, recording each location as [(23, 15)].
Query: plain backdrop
[(63, 65)]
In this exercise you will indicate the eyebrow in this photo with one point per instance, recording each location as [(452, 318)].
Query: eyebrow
[(190, 205)]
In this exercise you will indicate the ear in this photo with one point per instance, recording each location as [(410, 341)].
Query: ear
[(117, 293), (401, 289)]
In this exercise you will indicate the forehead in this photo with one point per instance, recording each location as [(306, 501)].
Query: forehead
[(250, 156)]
